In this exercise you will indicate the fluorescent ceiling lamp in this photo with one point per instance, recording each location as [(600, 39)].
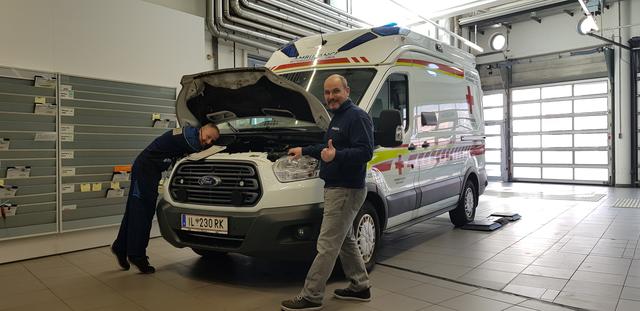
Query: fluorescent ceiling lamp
[(453, 34), (584, 7)]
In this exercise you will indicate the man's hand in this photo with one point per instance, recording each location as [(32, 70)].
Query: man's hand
[(296, 152), (329, 153)]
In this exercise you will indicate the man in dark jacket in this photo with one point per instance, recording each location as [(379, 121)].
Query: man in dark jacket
[(343, 167), (146, 173)]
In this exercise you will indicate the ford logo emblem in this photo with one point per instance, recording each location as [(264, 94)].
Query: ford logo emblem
[(209, 180)]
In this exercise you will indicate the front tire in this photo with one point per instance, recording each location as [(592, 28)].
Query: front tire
[(366, 228), (465, 212)]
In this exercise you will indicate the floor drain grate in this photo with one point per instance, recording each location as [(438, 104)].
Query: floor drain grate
[(627, 203)]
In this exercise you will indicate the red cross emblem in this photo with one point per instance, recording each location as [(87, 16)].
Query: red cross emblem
[(399, 164), (469, 100)]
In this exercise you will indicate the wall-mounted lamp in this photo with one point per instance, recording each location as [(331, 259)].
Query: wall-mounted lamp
[(586, 25), (498, 41)]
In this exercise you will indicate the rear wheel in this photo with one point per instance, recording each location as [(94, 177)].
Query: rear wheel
[(366, 228), (207, 253), (466, 209)]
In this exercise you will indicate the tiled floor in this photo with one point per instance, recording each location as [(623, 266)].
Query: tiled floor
[(575, 253), (578, 253)]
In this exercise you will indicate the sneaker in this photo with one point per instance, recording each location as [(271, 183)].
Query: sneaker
[(299, 303), (122, 259), (142, 263), (347, 294)]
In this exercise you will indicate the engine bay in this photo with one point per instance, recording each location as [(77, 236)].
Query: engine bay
[(275, 143)]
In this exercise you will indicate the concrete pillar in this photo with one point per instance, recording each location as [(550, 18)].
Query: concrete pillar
[(622, 94)]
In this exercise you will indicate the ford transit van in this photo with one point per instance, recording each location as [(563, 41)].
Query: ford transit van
[(424, 98)]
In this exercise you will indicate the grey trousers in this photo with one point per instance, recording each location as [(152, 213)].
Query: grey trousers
[(341, 205)]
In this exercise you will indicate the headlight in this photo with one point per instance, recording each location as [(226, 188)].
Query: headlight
[(288, 169)]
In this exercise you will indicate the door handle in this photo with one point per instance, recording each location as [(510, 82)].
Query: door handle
[(425, 144), (472, 137), (411, 147)]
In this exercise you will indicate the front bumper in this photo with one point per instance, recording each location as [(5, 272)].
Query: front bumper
[(267, 233)]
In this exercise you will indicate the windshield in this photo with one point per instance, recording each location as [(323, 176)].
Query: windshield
[(260, 123), (313, 81)]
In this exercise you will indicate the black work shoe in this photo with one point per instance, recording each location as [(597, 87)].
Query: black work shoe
[(347, 294), (122, 259), (142, 263), (299, 303)]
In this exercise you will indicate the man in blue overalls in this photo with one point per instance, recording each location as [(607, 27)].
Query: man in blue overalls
[(146, 173)]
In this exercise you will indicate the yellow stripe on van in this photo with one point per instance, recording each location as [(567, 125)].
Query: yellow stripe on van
[(384, 155)]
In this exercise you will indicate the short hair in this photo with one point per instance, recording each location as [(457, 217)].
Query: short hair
[(342, 79), (212, 125)]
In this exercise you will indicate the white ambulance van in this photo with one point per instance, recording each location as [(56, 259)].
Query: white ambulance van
[(424, 98)]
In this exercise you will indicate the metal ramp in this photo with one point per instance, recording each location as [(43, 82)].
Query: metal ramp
[(492, 222)]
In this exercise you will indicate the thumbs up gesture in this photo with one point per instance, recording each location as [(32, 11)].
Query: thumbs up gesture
[(328, 153)]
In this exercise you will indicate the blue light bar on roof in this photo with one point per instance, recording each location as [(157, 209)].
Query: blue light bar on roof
[(357, 41), (389, 30), (290, 50)]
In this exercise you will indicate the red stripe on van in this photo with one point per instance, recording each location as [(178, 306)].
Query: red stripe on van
[(364, 59), (384, 166), (355, 59), (477, 150), (294, 65), (333, 61), (341, 60)]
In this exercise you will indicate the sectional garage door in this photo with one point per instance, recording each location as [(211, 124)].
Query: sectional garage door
[(493, 103), (560, 132)]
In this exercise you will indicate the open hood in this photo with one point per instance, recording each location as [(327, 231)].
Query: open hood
[(224, 95)]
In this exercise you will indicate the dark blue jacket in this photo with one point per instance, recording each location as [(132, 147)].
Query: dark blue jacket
[(157, 157), (352, 132)]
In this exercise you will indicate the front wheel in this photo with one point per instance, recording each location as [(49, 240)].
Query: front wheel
[(465, 212), (366, 228)]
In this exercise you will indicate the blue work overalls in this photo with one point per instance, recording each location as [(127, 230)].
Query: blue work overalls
[(146, 173)]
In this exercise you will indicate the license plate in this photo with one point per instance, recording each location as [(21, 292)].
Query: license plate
[(218, 225)]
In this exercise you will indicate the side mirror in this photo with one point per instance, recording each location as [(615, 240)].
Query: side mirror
[(428, 119), (389, 132)]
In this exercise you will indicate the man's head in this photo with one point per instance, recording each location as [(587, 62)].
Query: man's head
[(336, 91), (208, 134)]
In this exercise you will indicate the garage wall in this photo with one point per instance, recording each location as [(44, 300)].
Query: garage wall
[(193, 7), (228, 54), (557, 34), (124, 40)]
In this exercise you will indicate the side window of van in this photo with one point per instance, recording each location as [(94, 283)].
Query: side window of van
[(452, 105), (394, 94)]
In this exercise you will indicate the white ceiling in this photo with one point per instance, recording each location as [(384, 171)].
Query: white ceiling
[(406, 12)]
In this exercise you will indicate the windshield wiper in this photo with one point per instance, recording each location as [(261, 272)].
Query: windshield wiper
[(293, 129), (235, 130)]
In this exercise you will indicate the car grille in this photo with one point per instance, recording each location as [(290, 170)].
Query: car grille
[(216, 183)]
